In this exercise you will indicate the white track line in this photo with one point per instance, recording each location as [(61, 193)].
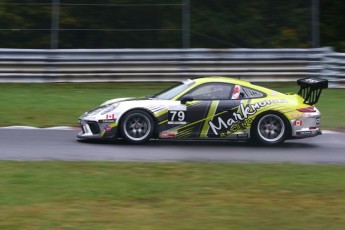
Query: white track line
[(331, 132), (47, 128)]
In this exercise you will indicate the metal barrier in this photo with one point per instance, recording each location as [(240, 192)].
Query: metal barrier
[(106, 65), (334, 69)]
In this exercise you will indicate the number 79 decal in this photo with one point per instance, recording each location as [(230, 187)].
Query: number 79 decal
[(176, 117)]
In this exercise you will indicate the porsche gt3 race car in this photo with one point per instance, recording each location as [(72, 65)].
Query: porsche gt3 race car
[(210, 108)]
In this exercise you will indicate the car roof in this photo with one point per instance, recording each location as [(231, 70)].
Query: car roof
[(222, 79), (229, 80)]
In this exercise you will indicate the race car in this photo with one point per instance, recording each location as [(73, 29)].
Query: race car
[(218, 108)]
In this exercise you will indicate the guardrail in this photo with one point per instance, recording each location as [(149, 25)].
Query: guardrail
[(85, 65), (334, 69)]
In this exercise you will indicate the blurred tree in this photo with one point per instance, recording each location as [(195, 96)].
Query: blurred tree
[(26, 26), (252, 23), (158, 24), (113, 26), (332, 24)]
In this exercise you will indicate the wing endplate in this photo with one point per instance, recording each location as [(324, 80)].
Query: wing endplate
[(311, 88)]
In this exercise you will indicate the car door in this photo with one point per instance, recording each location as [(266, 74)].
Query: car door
[(209, 101), (233, 118)]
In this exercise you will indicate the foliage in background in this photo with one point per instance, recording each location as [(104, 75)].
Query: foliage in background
[(333, 24), (251, 23), (134, 24)]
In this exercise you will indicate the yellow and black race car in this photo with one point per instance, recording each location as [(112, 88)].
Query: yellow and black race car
[(210, 108)]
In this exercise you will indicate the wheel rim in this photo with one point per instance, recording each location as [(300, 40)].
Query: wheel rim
[(271, 128), (137, 126)]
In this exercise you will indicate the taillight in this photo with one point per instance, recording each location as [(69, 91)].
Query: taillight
[(309, 109)]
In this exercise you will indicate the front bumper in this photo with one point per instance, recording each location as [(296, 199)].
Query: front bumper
[(97, 130)]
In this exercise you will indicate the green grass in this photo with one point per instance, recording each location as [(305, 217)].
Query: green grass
[(85, 195), (61, 104)]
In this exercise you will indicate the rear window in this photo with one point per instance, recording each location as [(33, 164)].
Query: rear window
[(251, 93)]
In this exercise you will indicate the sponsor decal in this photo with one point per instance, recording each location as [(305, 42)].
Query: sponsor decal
[(110, 116), (297, 123), (311, 80), (107, 127), (167, 134), (237, 127), (176, 117), (107, 121), (296, 115), (306, 132), (242, 135), (239, 120), (300, 115)]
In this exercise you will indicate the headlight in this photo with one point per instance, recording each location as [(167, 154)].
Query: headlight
[(109, 108), (94, 111)]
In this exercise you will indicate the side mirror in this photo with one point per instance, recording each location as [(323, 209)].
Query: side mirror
[(186, 98)]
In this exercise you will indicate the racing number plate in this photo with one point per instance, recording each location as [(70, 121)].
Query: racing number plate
[(176, 117)]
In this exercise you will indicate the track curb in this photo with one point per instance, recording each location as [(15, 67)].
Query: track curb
[(41, 128)]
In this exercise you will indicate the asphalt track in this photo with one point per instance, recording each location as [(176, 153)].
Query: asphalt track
[(42, 144)]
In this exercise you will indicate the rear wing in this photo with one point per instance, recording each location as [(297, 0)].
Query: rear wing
[(311, 88)]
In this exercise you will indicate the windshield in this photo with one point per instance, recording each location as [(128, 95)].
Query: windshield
[(175, 90)]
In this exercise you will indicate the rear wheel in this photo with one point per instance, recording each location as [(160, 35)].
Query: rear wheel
[(269, 129), (137, 127)]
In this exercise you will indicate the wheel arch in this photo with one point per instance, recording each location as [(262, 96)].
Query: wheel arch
[(154, 118), (278, 113)]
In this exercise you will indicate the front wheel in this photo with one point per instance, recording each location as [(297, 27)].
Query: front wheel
[(137, 127), (269, 129)]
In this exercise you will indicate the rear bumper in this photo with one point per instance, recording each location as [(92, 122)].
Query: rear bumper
[(306, 125), (306, 134)]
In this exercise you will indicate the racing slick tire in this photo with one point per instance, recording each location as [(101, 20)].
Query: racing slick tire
[(137, 127), (269, 129)]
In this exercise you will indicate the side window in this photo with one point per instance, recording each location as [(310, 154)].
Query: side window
[(212, 91)]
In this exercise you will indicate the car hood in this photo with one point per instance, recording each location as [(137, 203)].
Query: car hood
[(115, 100), (121, 105)]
